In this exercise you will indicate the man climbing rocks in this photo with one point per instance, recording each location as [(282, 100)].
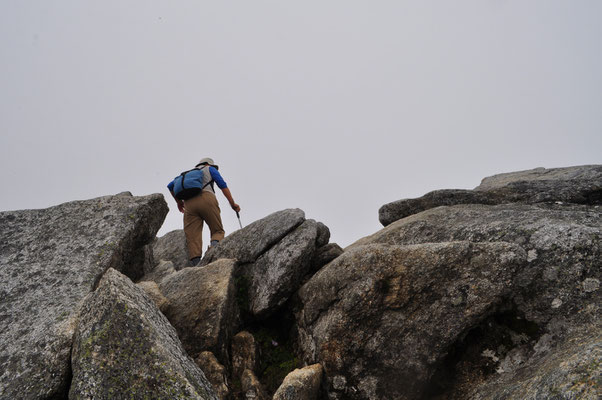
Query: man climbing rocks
[(195, 196)]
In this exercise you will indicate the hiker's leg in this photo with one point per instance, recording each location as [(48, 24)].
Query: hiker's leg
[(193, 229), (211, 214)]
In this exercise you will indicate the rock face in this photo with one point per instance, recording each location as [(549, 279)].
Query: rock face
[(125, 348), (161, 270), (246, 245), (202, 307), (378, 317), (172, 247), (276, 253), (571, 371), (581, 185), (553, 297), (562, 244), (50, 260), (152, 290), (278, 273), (517, 322), (491, 293)]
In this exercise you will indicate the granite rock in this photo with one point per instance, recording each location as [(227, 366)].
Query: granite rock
[(50, 259)]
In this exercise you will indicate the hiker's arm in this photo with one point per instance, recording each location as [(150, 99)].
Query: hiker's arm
[(224, 187), (228, 195), (179, 202)]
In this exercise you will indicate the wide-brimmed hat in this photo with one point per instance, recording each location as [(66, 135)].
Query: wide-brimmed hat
[(208, 161)]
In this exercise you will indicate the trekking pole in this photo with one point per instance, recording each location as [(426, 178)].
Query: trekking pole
[(238, 216)]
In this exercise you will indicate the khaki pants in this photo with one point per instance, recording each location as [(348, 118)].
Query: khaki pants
[(199, 209)]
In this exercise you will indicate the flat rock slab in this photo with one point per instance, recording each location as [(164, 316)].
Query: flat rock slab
[(277, 274), (379, 317), (580, 185), (247, 244), (584, 173), (50, 259), (125, 348), (203, 308)]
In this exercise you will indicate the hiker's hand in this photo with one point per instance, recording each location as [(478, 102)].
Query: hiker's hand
[(235, 207)]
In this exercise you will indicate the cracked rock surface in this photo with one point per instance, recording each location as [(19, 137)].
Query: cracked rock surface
[(50, 259)]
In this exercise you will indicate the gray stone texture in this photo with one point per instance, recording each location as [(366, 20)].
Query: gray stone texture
[(153, 291), (581, 185), (551, 298), (161, 270), (203, 307), (301, 384), (562, 242), (247, 244), (323, 235), (125, 348), (324, 255), (50, 259), (570, 371), (278, 273), (380, 317), (276, 254), (172, 247)]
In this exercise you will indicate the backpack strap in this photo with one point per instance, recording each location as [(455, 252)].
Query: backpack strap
[(183, 175)]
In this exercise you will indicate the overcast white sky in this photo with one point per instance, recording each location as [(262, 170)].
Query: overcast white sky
[(335, 107)]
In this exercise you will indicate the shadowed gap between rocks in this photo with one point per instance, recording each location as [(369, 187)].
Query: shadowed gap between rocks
[(275, 339), (594, 197), (479, 353), (276, 349)]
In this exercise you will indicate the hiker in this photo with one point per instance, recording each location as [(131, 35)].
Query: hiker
[(195, 196)]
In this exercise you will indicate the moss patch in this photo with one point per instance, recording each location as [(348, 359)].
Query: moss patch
[(119, 357), (277, 357)]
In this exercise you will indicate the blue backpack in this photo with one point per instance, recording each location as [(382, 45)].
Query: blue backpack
[(189, 184)]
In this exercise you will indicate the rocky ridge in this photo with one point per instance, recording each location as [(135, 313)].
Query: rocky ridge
[(490, 293)]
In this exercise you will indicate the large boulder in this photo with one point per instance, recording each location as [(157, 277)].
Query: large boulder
[(247, 244), (125, 348), (172, 247), (580, 180), (278, 273), (275, 253), (203, 307), (50, 259), (581, 185), (379, 318), (551, 299), (562, 242)]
